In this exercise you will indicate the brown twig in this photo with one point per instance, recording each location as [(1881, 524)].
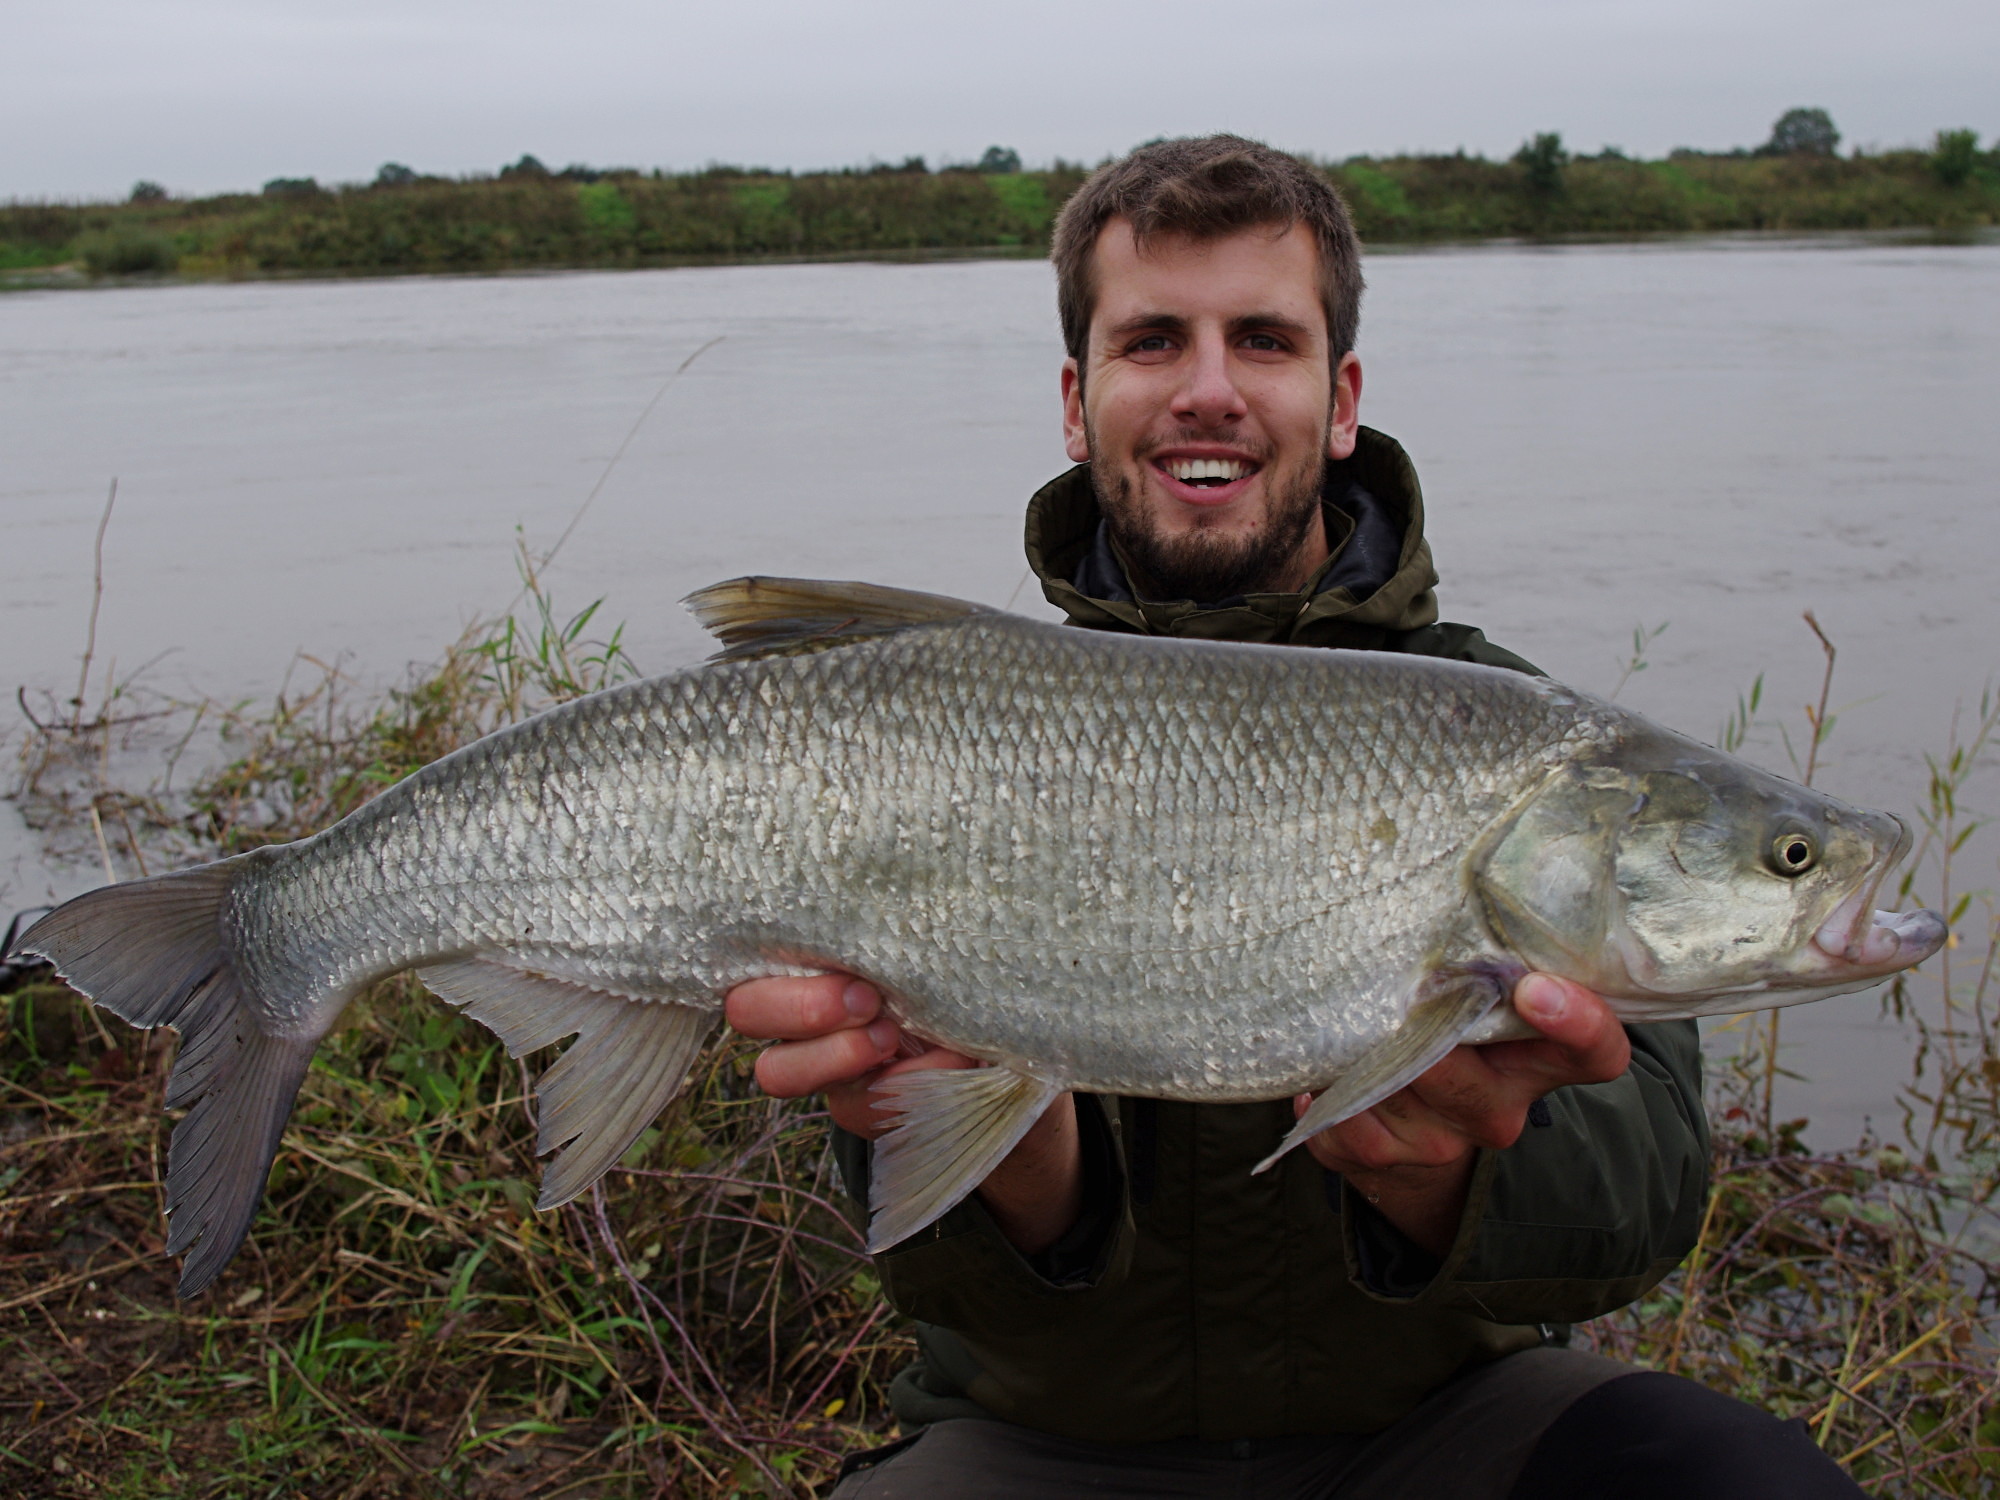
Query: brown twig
[(96, 602)]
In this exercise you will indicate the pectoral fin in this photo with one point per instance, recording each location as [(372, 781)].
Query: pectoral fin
[(629, 1060), (1503, 1023), (957, 1124), (1449, 1003)]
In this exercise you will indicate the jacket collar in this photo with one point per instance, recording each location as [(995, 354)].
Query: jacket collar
[(1379, 579)]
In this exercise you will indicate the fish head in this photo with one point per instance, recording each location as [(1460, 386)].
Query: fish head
[(1684, 881)]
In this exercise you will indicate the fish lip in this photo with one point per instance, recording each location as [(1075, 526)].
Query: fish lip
[(1857, 936)]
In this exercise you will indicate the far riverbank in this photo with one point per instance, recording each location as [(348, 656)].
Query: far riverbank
[(529, 218)]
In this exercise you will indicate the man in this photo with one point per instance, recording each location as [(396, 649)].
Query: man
[(1122, 1306)]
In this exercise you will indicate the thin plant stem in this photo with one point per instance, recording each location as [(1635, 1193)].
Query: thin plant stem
[(1816, 716), (96, 603)]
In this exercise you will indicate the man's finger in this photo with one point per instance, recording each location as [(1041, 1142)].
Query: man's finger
[(1401, 1131), (792, 1009), (1583, 1042), (1563, 1010), (791, 1069)]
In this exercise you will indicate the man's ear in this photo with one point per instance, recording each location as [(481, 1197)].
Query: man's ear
[(1076, 436), (1341, 435)]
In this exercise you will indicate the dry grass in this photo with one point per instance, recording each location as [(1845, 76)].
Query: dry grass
[(401, 1323), (1856, 1291)]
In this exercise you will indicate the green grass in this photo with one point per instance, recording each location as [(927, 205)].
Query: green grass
[(127, 250)]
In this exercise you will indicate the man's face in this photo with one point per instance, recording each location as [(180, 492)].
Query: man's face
[(1206, 409)]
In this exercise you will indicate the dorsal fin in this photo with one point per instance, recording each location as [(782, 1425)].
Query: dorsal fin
[(792, 616)]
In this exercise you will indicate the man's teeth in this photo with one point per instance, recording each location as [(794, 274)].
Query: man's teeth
[(1194, 470)]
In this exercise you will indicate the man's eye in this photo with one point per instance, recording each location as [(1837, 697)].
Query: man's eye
[(1152, 343), (1263, 343)]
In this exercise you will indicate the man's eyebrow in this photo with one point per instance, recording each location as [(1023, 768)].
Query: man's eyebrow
[(1270, 322), (1140, 322), (1166, 322)]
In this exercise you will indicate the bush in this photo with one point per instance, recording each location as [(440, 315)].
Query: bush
[(291, 187), (607, 211), (1542, 160), (144, 191), (394, 174), (1802, 132), (1000, 159), (127, 251), (527, 166), (1954, 156)]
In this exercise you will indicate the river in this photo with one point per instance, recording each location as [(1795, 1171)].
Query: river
[(1716, 435)]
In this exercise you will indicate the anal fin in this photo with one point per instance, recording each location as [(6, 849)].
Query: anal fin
[(956, 1126), (629, 1060), (1450, 1001)]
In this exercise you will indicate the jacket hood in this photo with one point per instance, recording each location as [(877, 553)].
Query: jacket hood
[(1378, 584)]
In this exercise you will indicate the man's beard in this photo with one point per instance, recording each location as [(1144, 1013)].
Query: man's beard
[(1208, 564)]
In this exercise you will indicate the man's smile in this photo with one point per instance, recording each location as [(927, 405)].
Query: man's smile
[(1204, 477)]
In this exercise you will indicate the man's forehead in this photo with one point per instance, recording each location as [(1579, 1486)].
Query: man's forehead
[(1259, 266)]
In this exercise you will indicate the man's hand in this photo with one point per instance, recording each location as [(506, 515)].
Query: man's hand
[(1412, 1155), (831, 1037)]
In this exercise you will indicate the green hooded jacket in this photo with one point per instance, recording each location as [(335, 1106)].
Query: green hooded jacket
[(1193, 1300)]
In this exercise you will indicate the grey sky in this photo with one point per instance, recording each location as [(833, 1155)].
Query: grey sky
[(207, 95)]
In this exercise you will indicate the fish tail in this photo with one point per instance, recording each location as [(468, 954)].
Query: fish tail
[(154, 952)]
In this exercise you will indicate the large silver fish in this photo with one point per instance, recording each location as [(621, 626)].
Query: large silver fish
[(1171, 868)]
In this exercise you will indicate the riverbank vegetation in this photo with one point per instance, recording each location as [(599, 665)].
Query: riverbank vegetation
[(529, 216), (402, 1323)]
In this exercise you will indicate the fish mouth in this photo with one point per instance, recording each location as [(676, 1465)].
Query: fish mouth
[(1858, 940)]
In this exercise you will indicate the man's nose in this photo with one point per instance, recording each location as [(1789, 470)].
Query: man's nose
[(1208, 396)]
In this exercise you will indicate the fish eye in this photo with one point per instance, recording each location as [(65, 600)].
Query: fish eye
[(1793, 853)]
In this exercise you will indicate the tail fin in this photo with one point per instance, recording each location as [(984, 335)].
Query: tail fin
[(153, 952)]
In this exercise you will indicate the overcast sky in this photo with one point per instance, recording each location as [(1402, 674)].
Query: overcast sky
[(210, 95)]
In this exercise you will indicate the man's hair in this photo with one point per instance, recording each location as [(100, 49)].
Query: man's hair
[(1207, 187)]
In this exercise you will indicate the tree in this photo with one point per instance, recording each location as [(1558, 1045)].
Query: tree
[(394, 174), (146, 191), (291, 187), (1954, 155), (1000, 159), (1802, 132), (527, 166), (1543, 160)]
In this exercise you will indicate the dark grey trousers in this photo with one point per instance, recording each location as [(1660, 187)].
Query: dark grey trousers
[(1469, 1441)]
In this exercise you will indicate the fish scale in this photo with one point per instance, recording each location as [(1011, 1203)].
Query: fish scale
[(1180, 869)]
